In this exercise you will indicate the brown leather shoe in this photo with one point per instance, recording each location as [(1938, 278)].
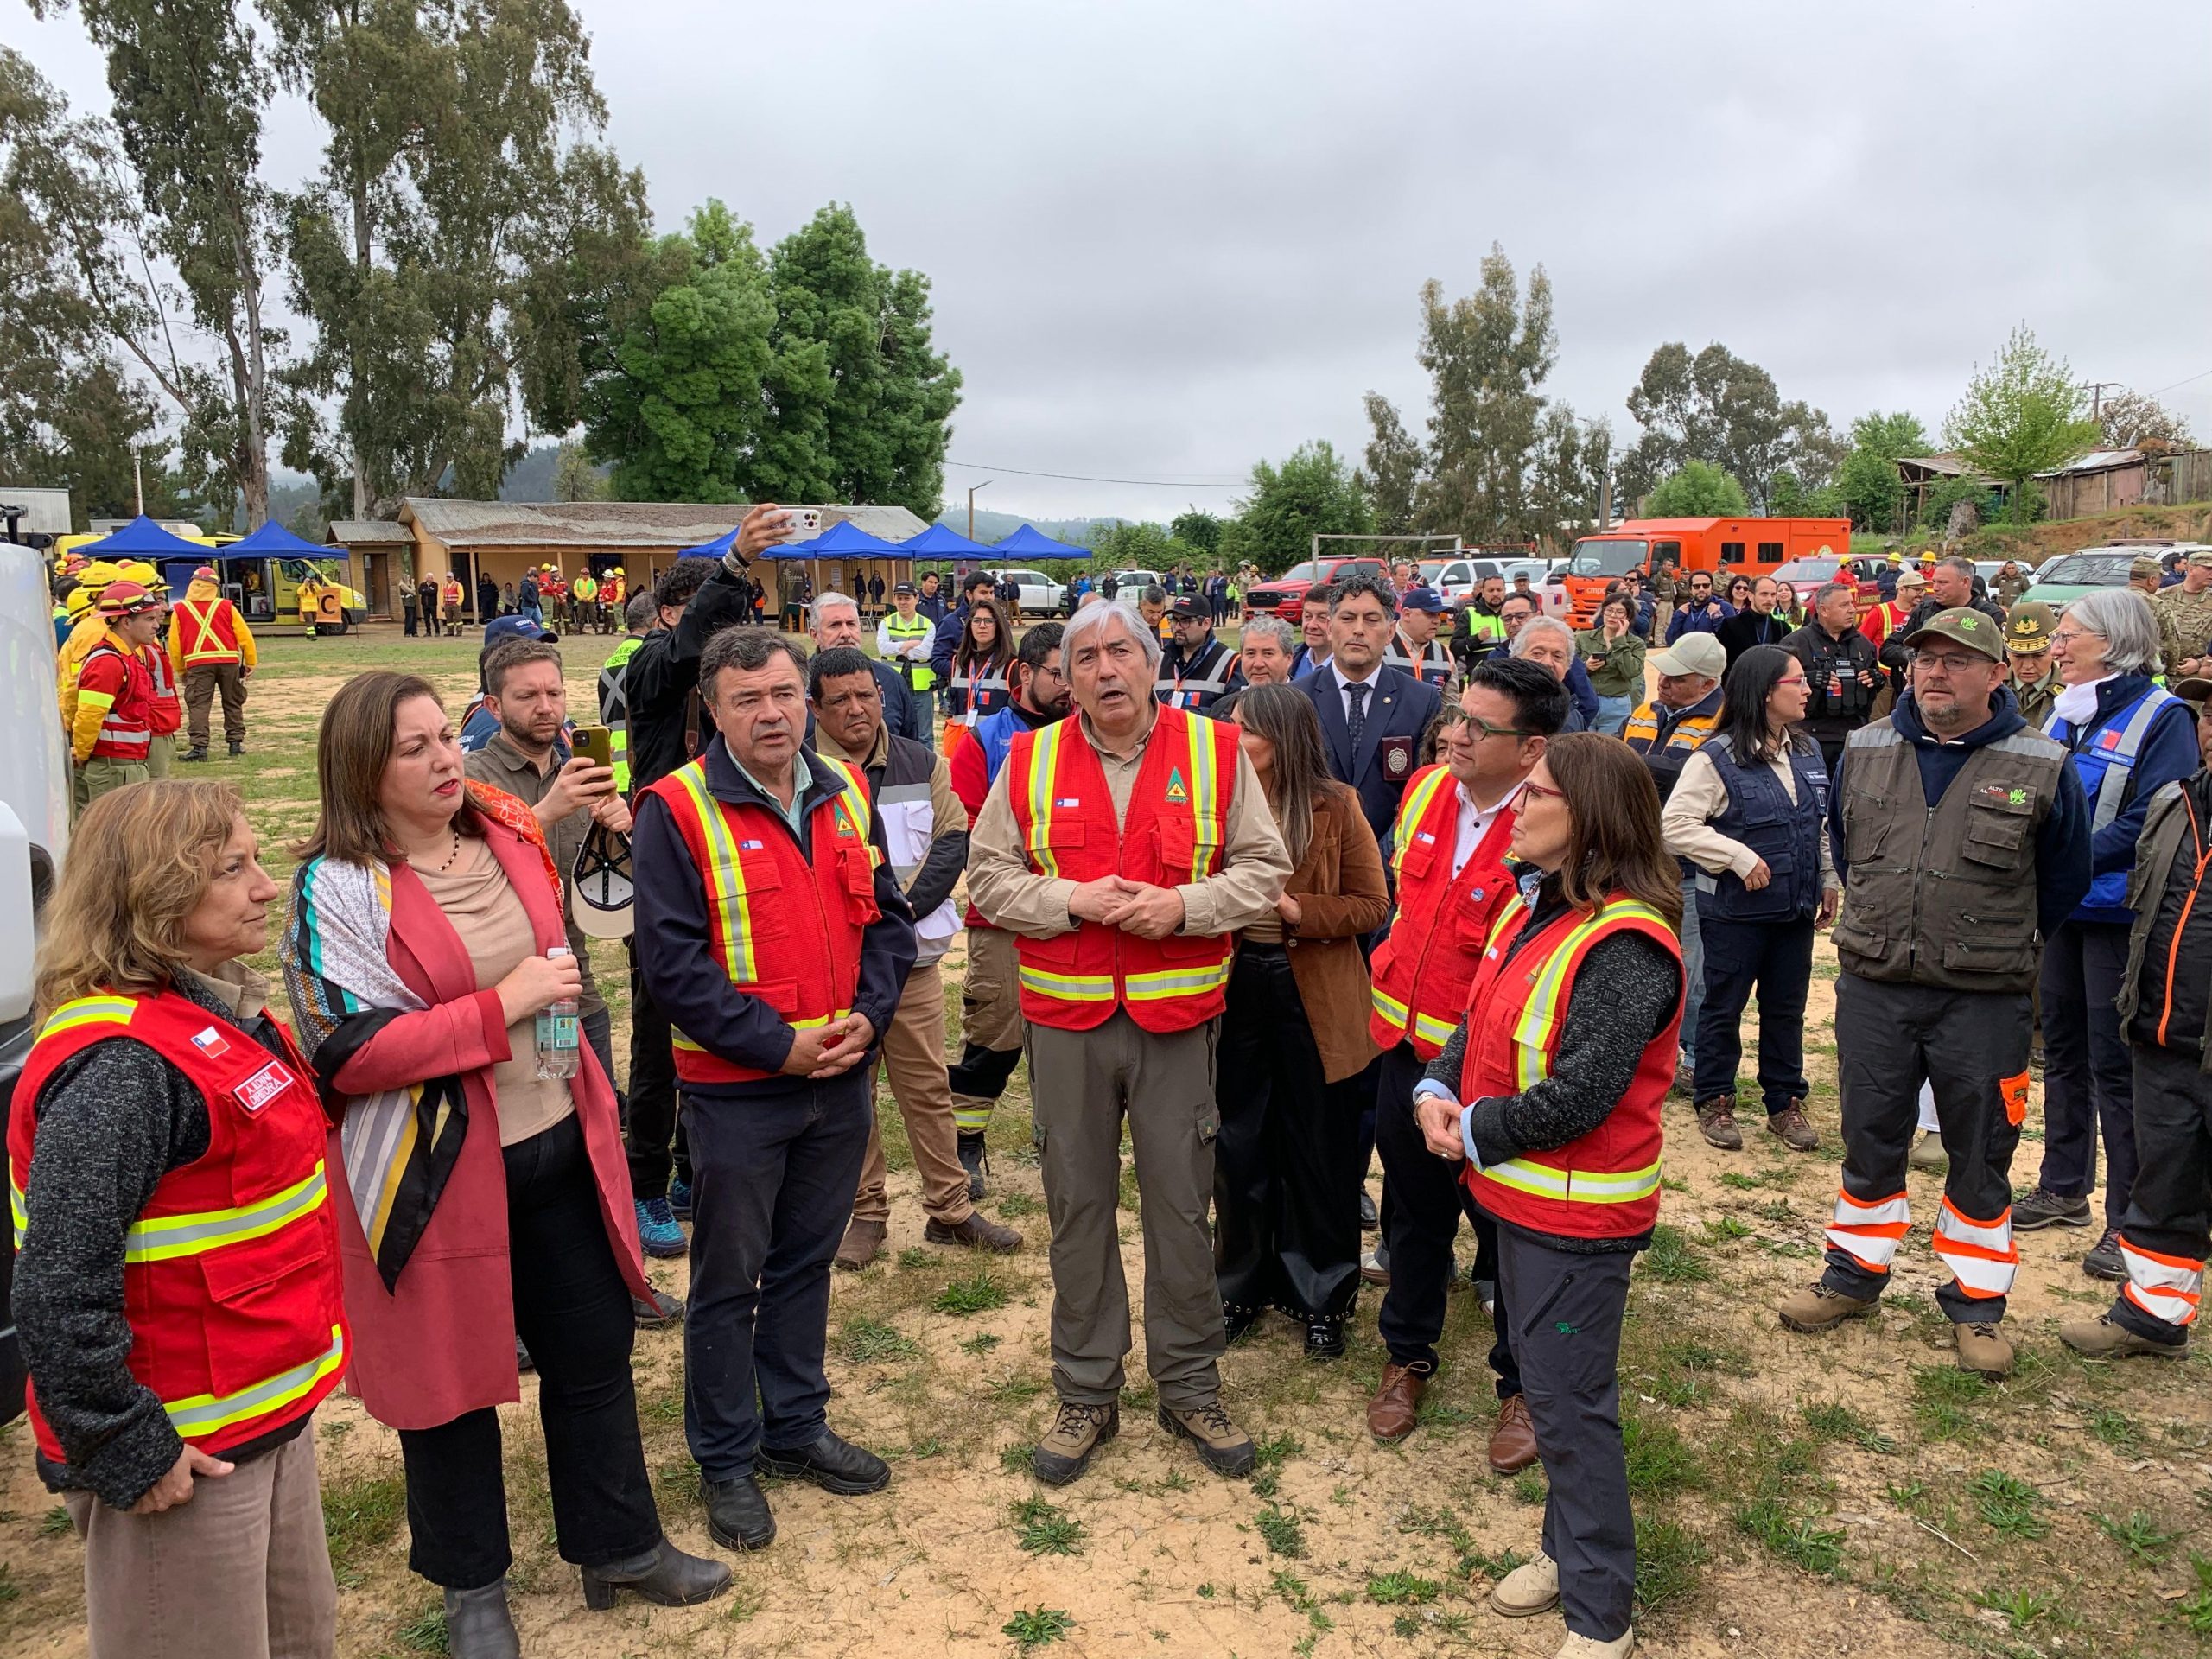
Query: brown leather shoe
[(1396, 1405), (1716, 1121), (863, 1242), (1795, 1130), (1513, 1442), (977, 1232)]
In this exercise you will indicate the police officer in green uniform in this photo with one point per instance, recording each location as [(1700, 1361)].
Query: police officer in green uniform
[(2028, 628)]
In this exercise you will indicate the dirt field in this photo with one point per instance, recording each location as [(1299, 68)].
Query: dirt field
[(1796, 1496)]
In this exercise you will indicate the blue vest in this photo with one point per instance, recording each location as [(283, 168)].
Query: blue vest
[(996, 733), (2105, 766), (1785, 833)]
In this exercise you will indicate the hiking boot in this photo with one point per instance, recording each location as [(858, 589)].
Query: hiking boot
[(975, 1158), (478, 1625), (1983, 1349), (197, 752), (1816, 1308), (1792, 1127), (662, 1309), (1513, 1442), (237, 749), (664, 1575), (832, 1463), (657, 1233), (2043, 1208), (1221, 1447), (977, 1232), (1716, 1121), (1375, 1267), (1395, 1408), (2104, 1260), (679, 1198), (1078, 1431), (1529, 1589), (1324, 1337), (1589, 1647), (1928, 1156), (1685, 1083), (2105, 1338), (862, 1243)]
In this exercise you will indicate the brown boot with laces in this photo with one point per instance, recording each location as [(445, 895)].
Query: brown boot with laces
[(1793, 1129), (1716, 1121), (1078, 1431), (1221, 1447)]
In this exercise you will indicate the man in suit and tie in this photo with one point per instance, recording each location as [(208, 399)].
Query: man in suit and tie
[(1372, 716)]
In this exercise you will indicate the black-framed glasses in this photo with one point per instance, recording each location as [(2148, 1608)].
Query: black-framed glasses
[(1456, 717)]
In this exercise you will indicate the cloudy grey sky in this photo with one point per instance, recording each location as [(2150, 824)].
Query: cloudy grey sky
[(1169, 238)]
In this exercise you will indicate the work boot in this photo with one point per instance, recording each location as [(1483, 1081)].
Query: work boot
[(1236, 1322), (862, 1243), (657, 1233), (1816, 1308), (1685, 1077), (1529, 1589), (1078, 1431), (975, 1158), (664, 1575), (977, 1232), (1221, 1447), (1716, 1121), (1983, 1349), (2104, 1260), (832, 1463), (2106, 1338), (662, 1309), (1589, 1647), (1395, 1408), (2043, 1208), (738, 1515), (237, 749), (1513, 1442), (1791, 1127), (478, 1625), (197, 752), (1324, 1337), (1928, 1156)]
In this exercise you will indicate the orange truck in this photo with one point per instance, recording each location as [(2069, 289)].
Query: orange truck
[(1726, 547)]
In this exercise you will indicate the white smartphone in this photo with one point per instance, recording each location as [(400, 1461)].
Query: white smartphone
[(801, 523)]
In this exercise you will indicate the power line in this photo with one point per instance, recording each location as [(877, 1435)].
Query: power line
[(2185, 381), (1088, 478)]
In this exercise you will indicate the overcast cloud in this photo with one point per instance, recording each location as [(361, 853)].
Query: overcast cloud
[(1168, 239)]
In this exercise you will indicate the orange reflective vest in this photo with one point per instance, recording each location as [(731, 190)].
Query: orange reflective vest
[(1422, 970), (230, 1275), (1604, 1185), (207, 632), (1172, 833), (784, 925)]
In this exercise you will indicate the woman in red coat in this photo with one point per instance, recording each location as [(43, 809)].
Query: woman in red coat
[(477, 1197)]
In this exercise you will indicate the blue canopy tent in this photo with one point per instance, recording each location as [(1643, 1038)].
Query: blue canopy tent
[(713, 549), (1028, 545), (944, 542), (273, 541), (842, 540), (142, 538)]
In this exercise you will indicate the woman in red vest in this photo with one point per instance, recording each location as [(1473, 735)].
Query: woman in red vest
[(177, 1286), (1550, 1091), (477, 1168)]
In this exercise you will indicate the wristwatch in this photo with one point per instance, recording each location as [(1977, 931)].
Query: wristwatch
[(735, 565)]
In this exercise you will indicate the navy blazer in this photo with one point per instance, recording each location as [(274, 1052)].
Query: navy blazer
[(1401, 707)]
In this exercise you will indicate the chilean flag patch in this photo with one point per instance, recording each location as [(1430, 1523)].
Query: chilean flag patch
[(2108, 738), (749, 846), (210, 1042)]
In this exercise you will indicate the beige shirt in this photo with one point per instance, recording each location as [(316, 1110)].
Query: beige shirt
[(487, 913), (1700, 797), (242, 992), (1255, 863), (503, 766)]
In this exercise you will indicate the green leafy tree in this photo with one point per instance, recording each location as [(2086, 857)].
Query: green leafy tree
[(1716, 407), (574, 479), (1392, 474), (1567, 478), (1871, 493), (1145, 547), (1486, 356), (2022, 414), (1698, 489), (1199, 531), (1311, 492)]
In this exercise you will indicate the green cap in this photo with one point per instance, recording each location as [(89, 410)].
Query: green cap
[(1965, 625)]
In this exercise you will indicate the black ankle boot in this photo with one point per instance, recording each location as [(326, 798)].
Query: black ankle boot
[(1324, 1337), (478, 1625), (974, 1158), (664, 1575)]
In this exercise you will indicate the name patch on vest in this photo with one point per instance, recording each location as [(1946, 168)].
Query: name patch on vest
[(264, 1086), (2006, 795)]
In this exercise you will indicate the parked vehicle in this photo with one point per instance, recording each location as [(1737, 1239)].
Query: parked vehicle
[(1808, 577), (1041, 594), (2072, 575), (1286, 594), (1129, 586), (1725, 547), (1456, 578)]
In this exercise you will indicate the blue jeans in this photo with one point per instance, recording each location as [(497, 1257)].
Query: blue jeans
[(1693, 969), (1613, 713)]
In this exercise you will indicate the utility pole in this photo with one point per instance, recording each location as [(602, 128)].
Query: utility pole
[(972, 488), (2097, 397), (139, 477), (1605, 500)]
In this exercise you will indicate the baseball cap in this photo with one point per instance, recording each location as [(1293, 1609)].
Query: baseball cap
[(500, 629), (2201, 556), (2029, 627), (1911, 578), (2196, 689), (906, 590), (2145, 568), (1421, 599), (126, 599), (1962, 624), (1694, 653), (1190, 609)]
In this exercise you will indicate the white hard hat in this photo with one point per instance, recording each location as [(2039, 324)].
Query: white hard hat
[(601, 892)]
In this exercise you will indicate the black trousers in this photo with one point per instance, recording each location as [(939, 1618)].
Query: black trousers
[(1285, 1174), (773, 1182), (1774, 958), (654, 1122), (2169, 1212), (1968, 1045), (2088, 1084), (1423, 1199), (1566, 1328), (573, 1310), (983, 1072)]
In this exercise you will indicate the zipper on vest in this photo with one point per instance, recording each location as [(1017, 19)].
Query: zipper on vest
[(1912, 938)]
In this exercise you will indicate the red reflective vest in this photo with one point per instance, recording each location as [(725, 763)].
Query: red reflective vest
[(230, 1277), (208, 630), (1422, 970), (165, 712), (1172, 833), (1605, 1184), (121, 685), (785, 926)]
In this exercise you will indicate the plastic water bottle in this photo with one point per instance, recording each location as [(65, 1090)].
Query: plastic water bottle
[(558, 1032)]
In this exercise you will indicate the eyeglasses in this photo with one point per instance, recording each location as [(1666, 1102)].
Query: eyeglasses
[(2060, 636), (1530, 786), (1950, 664), (1454, 718), (1794, 679)]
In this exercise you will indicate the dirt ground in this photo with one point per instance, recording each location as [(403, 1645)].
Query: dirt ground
[(1796, 1496)]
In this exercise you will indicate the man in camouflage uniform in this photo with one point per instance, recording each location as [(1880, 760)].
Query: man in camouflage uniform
[(2184, 613), (2028, 629)]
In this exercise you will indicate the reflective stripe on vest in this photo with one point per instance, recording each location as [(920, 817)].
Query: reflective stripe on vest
[(917, 671), (1196, 691), (1546, 1007), (164, 1238), (1426, 1026), (1433, 666), (970, 692), (2111, 752), (213, 631), (1210, 820), (202, 1415)]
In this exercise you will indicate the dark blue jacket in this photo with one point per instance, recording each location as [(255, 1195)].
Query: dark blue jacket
[(1584, 695), (932, 606), (1704, 621), (2063, 843), (1400, 709), (1785, 832), (2168, 751), (681, 973), (946, 640)]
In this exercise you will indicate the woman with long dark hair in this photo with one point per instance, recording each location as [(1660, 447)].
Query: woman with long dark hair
[(1750, 813), (1739, 593), (1550, 1091), (1613, 655), (979, 662), (1294, 1043)]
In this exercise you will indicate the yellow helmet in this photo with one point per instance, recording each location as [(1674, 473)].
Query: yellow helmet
[(79, 601), (97, 575), (139, 571)]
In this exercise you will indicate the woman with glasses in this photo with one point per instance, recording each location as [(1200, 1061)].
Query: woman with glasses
[(2128, 738), (979, 662), (1294, 1044), (1750, 812), (1739, 593), (1550, 1092), (1614, 656)]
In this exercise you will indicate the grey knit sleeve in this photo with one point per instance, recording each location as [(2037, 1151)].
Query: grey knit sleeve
[(1445, 1067)]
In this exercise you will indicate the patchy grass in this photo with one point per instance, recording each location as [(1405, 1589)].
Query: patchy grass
[(979, 1293), (1038, 1627), (1042, 1529)]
